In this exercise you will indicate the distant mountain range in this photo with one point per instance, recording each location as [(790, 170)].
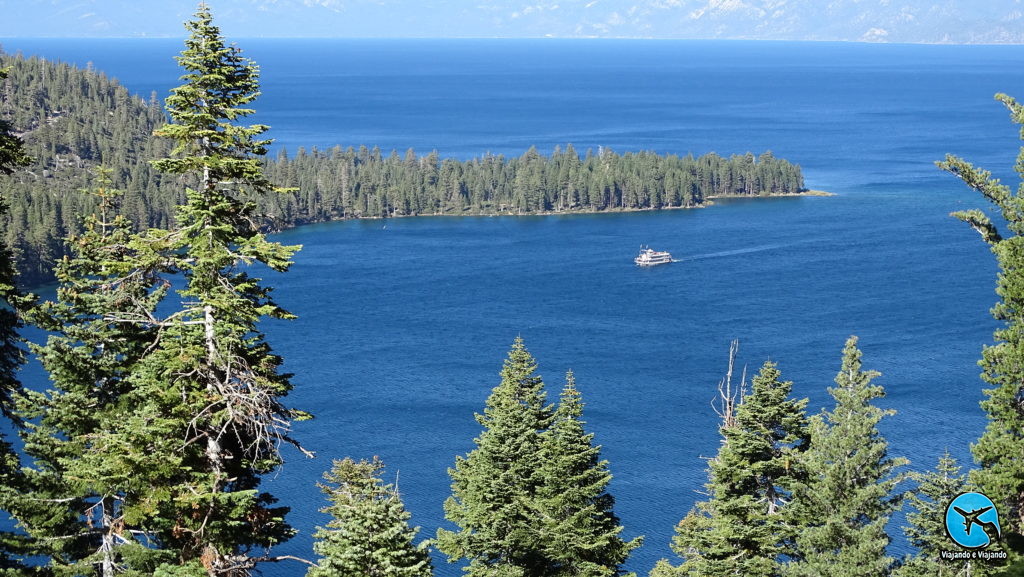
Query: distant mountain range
[(912, 21)]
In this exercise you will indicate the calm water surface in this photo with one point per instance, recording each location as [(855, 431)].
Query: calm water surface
[(404, 324)]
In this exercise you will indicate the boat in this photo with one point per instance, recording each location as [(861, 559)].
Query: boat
[(650, 257)]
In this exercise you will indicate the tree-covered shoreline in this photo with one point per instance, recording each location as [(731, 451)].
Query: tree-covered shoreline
[(359, 183), (75, 120)]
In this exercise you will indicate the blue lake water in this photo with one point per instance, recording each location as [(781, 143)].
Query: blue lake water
[(404, 324)]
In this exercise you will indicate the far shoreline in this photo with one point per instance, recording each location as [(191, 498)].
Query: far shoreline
[(709, 201), (809, 192)]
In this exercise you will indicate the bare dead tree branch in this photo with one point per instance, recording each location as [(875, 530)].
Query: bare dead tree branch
[(730, 396)]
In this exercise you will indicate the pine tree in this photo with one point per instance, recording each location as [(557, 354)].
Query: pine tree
[(530, 499), (207, 419), (844, 506), (74, 503), (493, 485), (579, 530), (743, 528), (935, 489), (12, 156), (1000, 450), (665, 569), (369, 535), (12, 304)]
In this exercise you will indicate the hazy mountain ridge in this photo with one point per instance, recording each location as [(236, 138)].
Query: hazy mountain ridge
[(914, 21)]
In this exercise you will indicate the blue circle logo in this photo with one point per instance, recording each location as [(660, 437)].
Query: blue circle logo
[(972, 521)]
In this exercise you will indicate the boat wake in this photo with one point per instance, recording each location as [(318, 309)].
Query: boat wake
[(734, 252)]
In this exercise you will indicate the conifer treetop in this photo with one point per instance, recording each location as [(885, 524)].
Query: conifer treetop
[(530, 499), (842, 508), (743, 527), (368, 535), (927, 528), (212, 378)]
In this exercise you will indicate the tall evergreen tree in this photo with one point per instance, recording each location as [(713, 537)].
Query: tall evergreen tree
[(208, 418), (1000, 450), (369, 535), (12, 156), (12, 303), (579, 531), (744, 527), (74, 502), (531, 499), (843, 508), (927, 529), (493, 486)]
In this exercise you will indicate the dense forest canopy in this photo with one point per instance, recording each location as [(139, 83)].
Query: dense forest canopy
[(74, 120), (358, 183)]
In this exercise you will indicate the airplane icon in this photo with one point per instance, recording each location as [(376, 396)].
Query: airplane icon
[(990, 528), (971, 518)]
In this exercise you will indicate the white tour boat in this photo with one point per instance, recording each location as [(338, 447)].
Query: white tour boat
[(649, 257)]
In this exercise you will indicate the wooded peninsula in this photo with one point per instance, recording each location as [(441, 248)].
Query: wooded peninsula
[(74, 120)]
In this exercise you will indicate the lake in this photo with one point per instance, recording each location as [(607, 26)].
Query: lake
[(404, 323)]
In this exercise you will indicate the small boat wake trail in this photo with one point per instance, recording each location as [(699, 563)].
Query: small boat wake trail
[(732, 252)]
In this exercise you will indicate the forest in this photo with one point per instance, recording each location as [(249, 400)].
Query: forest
[(73, 121), (166, 407)]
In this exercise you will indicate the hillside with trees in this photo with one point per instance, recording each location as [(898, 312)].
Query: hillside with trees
[(75, 120)]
